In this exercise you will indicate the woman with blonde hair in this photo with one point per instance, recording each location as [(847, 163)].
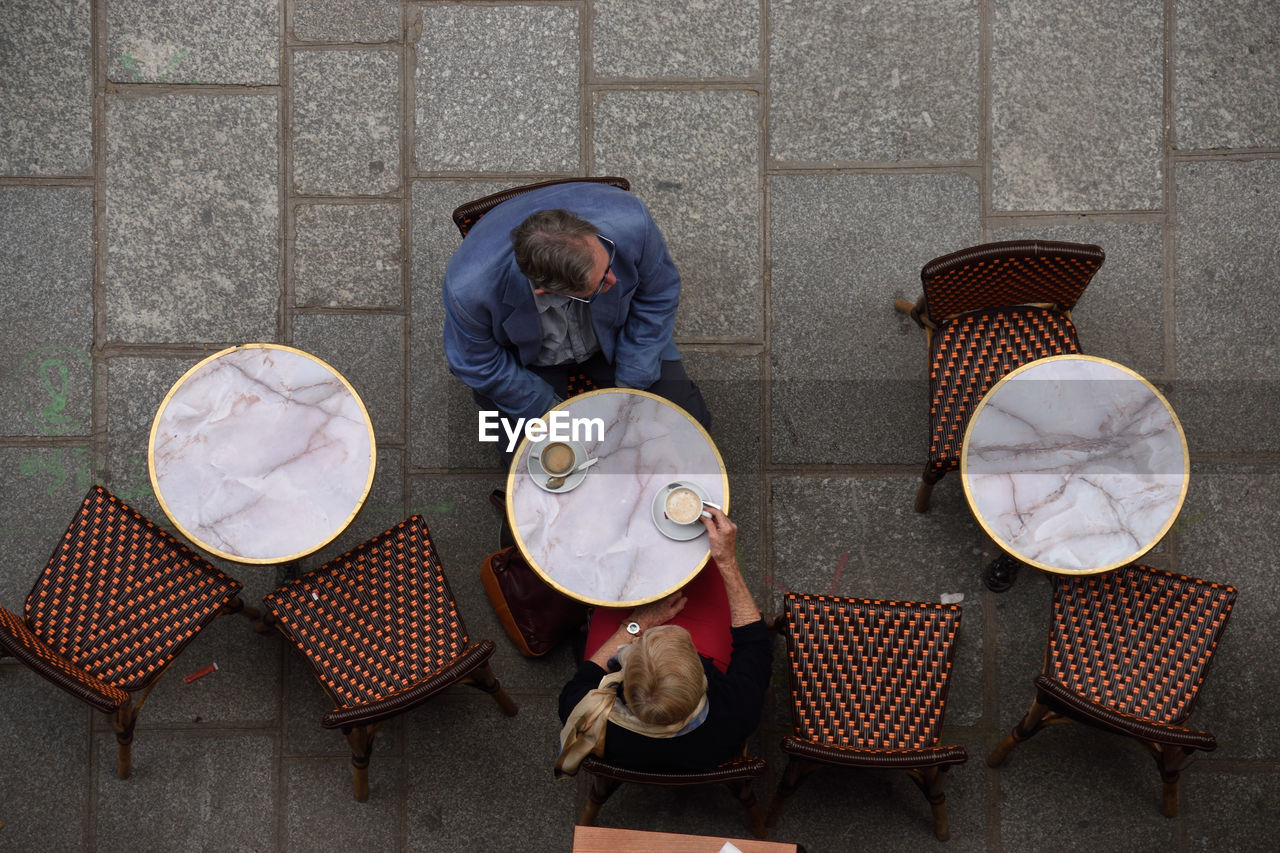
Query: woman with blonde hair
[(676, 685)]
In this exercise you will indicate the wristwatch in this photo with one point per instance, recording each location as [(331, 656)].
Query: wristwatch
[(633, 628)]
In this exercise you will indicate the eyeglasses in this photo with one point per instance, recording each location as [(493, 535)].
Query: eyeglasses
[(613, 250)]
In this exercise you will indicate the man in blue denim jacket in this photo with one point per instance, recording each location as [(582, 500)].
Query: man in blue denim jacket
[(569, 277)]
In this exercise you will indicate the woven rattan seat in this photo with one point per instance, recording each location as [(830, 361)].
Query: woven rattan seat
[(737, 775), (465, 216), (118, 601), (986, 310), (869, 686), (1128, 651), (382, 632)]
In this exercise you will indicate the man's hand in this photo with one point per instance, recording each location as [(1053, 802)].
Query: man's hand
[(723, 536)]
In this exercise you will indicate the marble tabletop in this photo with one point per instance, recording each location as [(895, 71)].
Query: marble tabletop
[(1075, 464), (261, 453), (598, 543)]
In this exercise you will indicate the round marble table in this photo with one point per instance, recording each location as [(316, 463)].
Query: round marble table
[(1074, 464), (261, 453), (598, 543)]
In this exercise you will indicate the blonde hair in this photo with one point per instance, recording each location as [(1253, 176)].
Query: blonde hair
[(662, 676)]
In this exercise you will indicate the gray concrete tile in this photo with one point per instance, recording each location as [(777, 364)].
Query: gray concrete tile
[(1022, 617), (842, 248), (733, 389), (368, 21), (1072, 787), (694, 158), (1226, 74), (857, 82), (1229, 811), (653, 39), (368, 349), (1121, 315), (455, 737), (46, 94), (346, 122), (45, 732), (169, 41), (1226, 303), (347, 256), (1229, 535), (44, 489), (180, 782), (341, 823), (860, 537), (192, 219), (497, 89), (1077, 106), (46, 252), (442, 415)]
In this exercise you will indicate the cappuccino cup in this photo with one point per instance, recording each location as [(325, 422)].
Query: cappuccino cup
[(557, 459), (683, 506)]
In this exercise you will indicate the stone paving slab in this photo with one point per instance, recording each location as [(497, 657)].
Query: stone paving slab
[(1076, 106), (346, 20), (1226, 81), (1230, 811), (694, 159), (368, 349), (346, 122), (343, 823), (654, 39), (45, 93), (192, 219), (857, 392), (347, 256), (1226, 304), (172, 41), (46, 252), (856, 82), (496, 88)]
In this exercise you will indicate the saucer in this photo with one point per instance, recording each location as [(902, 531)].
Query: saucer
[(668, 528), (540, 477)]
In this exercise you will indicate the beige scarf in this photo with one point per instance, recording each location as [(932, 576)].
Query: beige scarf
[(583, 733)]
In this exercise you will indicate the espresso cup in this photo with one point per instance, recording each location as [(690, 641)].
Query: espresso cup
[(683, 506), (557, 459)]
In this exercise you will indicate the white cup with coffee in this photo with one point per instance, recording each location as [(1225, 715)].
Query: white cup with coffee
[(682, 505), (558, 459)]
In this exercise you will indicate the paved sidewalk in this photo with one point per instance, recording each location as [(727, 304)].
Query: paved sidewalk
[(177, 177)]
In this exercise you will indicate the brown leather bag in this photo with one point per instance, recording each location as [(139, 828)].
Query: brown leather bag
[(535, 616)]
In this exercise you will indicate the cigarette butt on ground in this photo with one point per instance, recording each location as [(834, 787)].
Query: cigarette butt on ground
[(201, 672)]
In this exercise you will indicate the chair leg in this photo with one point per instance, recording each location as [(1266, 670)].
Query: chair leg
[(797, 770), (236, 605), (360, 738), (929, 780), (1030, 724), (482, 678), (602, 788), (746, 795), (928, 480), (122, 723), (1170, 760)]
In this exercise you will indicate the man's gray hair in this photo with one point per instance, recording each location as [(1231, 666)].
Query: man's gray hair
[(550, 250)]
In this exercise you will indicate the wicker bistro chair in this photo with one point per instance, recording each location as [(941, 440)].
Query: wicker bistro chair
[(1128, 651), (737, 775), (381, 630), (986, 310), (118, 601), (869, 686)]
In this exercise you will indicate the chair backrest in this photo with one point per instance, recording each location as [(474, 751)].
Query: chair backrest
[(996, 275), (1137, 639), (467, 215), (877, 671)]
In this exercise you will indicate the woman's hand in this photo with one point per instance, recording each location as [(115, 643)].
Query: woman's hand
[(659, 612), (723, 536)]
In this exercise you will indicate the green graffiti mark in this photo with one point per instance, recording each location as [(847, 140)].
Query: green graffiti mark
[(58, 468), (55, 411)]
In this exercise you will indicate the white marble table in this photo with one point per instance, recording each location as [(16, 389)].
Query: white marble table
[(261, 453), (1074, 464), (598, 543)]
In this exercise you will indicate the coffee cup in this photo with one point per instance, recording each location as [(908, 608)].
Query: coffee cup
[(683, 505), (558, 459)]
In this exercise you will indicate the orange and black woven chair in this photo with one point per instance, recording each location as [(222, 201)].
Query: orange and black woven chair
[(869, 686), (986, 310), (119, 600), (737, 775), (1128, 651), (382, 633)]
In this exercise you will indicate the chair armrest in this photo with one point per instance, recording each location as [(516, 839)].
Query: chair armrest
[(16, 639)]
